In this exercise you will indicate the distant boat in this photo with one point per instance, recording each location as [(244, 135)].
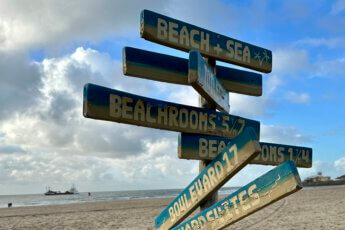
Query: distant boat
[(72, 191)]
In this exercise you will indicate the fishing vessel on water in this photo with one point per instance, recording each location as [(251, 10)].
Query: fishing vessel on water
[(72, 191)]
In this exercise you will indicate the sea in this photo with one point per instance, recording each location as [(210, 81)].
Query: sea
[(41, 199)]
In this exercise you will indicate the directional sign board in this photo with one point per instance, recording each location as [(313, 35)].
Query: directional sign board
[(113, 105), (265, 190), (231, 160), (203, 80), (166, 68), (202, 147), (180, 35)]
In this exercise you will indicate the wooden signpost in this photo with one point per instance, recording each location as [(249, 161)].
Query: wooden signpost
[(232, 159), (265, 190), (114, 105), (166, 68), (183, 36), (201, 77), (203, 147), (223, 143)]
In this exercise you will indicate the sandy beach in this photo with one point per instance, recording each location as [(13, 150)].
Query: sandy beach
[(310, 208)]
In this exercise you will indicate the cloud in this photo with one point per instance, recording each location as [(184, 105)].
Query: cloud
[(333, 169), (330, 68), (248, 174), (20, 82), (45, 139), (64, 147), (297, 98), (331, 43), (240, 104), (53, 24), (340, 164), (264, 105), (283, 135), (30, 173), (290, 61), (55, 116), (6, 149), (156, 168), (337, 7), (249, 106), (318, 166), (295, 62), (184, 95)]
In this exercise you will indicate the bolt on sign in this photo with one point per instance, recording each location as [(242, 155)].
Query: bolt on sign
[(114, 105), (166, 68), (183, 36), (201, 77), (276, 184), (232, 159), (204, 147)]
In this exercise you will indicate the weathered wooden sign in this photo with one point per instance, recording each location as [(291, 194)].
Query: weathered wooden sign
[(166, 68), (202, 147), (203, 80), (232, 159), (114, 105), (265, 190), (180, 35)]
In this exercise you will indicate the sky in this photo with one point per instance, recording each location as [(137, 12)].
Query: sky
[(50, 49)]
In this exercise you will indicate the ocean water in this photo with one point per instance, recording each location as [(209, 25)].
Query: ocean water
[(40, 199)]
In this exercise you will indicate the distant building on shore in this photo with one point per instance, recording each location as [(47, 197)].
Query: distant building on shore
[(320, 180), (340, 177), (317, 178)]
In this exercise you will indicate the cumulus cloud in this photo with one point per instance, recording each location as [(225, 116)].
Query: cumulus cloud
[(296, 63), (36, 143), (289, 61), (338, 7), (331, 43), (298, 98), (340, 164), (7, 149), (52, 24), (44, 137), (318, 166), (50, 140), (20, 83), (283, 134), (330, 68), (55, 119), (264, 105), (184, 95), (249, 106), (248, 174), (156, 168)]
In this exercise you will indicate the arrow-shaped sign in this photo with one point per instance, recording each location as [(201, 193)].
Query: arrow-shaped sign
[(166, 68), (183, 36), (203, 80), (231, 160), (267, 189), (114, 105), (203, 147)]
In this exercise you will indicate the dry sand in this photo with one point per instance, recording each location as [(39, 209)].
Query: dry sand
[(310, 208)]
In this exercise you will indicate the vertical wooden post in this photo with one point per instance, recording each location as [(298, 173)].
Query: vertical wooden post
[(212, 199)]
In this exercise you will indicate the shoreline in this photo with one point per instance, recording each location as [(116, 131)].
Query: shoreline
[(310, 208), (26, 200), (120, 199)]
